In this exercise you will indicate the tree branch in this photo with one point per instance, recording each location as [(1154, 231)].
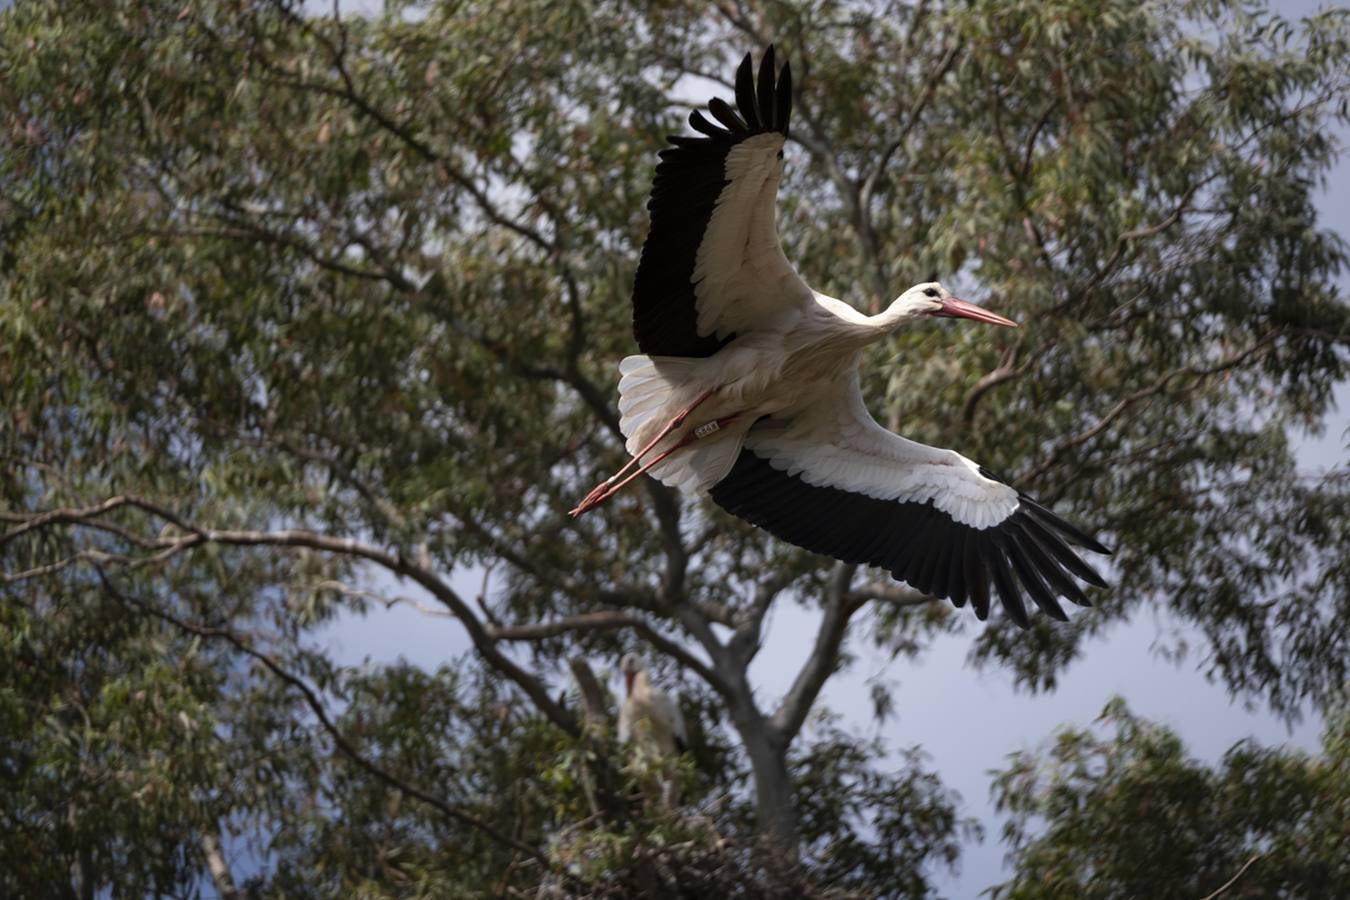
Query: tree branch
[(1157, 387), (216, 865), (889, 592), (1125, 238), (344, 590), (1005, 372), (349, 92), (925, 97), (595, 621), (595, 711), (316, 706), (596, 780), (1232, 881), (63, 516), (395, 563), (343, 472), (791, 713), (88, 555), (745, 641), (608, 620)]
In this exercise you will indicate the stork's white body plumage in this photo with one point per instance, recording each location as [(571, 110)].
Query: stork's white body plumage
[(649, 719), (747, 388)]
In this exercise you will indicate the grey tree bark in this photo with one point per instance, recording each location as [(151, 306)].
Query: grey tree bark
[(216, 865)]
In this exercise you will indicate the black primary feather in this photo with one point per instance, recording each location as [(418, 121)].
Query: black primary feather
[(689, 179), (916, 542)]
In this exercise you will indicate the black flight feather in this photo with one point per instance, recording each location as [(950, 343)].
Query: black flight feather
[(1035, 585), (765, 98), (784, 91), (745, 94), (700, 123), (688, 183), (1058, 578), (1007, 587), (916, 542), (723, 113)]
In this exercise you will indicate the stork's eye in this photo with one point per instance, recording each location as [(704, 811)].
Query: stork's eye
[(930, 292)]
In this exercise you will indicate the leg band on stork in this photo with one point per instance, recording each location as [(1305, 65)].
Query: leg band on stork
[(622, 478)]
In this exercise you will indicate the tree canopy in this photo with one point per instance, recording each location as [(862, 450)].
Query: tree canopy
[(299, 310), (1129, 815)]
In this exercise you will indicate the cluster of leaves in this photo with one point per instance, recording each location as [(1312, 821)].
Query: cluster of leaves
[(1128, 814)]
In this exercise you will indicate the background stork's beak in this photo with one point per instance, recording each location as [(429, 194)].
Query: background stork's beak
[(960, 309), (628, 680)]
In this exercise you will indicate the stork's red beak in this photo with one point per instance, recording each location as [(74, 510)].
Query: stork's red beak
[(628, 680), (959, 309)]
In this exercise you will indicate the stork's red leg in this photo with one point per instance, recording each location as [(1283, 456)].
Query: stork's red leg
[(609, 488), (590, 499)]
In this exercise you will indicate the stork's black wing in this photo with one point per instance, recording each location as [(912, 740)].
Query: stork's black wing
[(712, 217), (1027, 552), (832, 480)]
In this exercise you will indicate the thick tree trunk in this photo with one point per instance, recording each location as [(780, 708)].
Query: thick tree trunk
[(775, 812)]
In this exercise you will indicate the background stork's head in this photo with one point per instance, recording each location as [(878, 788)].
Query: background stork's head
[(932, 299), (630, 665)]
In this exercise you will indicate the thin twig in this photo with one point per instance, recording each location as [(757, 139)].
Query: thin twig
[(1157, 387), (916, 111), (1230, 882)]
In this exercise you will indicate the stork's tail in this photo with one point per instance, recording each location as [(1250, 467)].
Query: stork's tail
[(652, 391)]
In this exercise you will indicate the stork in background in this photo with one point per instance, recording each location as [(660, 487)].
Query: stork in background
[(650, 719), (747, 388), (650, 722)]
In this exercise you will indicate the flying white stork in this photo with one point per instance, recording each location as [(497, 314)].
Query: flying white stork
[(649, 718), (747, 388)]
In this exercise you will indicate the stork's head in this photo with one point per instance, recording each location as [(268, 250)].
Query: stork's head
[(932, 299), (630, 665)]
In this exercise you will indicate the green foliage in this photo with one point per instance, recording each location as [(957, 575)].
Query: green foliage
[(1128, 814), (291, 308), (103, 723), (857, 821)]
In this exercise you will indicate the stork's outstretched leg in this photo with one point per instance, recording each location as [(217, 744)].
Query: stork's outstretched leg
[(610, 487), (591, 500)]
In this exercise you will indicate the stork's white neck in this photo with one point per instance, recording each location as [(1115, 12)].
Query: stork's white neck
[(897, 315)]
